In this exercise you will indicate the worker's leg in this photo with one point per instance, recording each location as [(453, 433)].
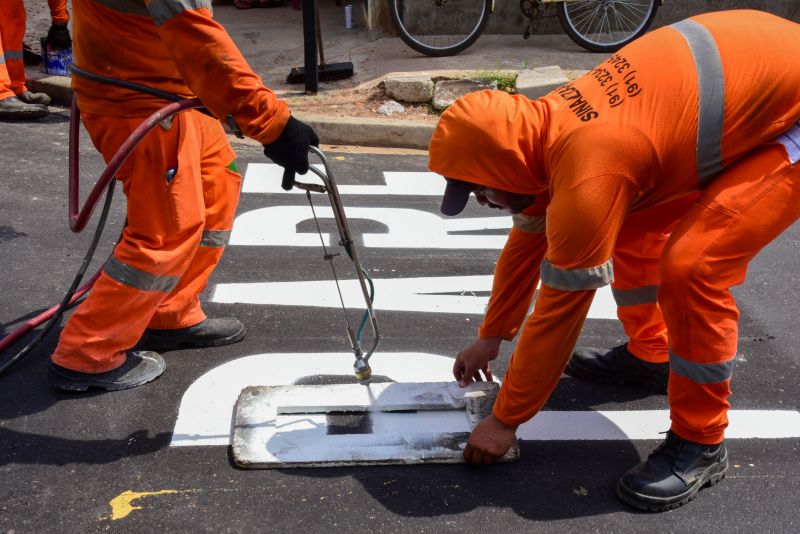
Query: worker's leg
[(220, 185), (739, 213), (179, 321), (636, 258), (165, 225), (5, 80), (12, 69), (12, 27), (643, 359)]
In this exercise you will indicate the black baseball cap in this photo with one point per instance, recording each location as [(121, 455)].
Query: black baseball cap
[(456, 196)]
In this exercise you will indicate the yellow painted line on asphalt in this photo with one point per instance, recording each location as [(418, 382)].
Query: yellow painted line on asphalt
[(122, 505)]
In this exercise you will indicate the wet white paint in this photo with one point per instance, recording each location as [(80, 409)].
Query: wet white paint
[(206, 411), (422, 295), (279, 426), (266, 178)]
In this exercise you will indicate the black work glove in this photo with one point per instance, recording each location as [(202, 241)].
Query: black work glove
[(58, 36), (290, 150)]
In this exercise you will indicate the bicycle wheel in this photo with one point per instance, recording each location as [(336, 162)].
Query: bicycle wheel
[(440, 27), (606, 25)]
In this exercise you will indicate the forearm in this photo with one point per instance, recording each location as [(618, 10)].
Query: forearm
[(515, 279), (215, 70), (545, 345)]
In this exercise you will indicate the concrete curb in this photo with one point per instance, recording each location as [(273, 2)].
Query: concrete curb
[(331, 130)]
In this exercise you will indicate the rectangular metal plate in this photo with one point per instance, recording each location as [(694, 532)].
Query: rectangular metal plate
[(354, 424)]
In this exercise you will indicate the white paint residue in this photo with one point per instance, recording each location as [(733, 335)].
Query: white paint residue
[(266, 178)]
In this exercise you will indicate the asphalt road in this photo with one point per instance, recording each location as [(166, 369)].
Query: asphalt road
[(110, 462)]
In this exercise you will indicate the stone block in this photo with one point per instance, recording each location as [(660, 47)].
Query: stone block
[(415, 89), (447, 91), (534, 83)]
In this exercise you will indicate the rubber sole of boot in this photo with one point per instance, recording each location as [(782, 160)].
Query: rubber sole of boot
[(655, 504), (648, 382), (167, 345), (79, 382)]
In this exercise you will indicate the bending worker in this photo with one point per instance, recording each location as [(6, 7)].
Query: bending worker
[(690, 130), (181, 182), (16, 101)]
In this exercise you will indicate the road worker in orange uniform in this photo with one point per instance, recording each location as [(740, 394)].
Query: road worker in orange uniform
[(663, 172), (181, 182), (16, 101)]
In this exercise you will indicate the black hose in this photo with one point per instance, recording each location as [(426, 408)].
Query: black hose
[(64, 306)]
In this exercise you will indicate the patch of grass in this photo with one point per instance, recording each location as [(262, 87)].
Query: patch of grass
[(505, 81)]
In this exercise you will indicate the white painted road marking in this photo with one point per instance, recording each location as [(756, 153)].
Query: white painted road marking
[(422, 295), (206, 410), (276, 226), (266, 178)]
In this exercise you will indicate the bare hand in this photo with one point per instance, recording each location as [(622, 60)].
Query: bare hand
[(490, 440), (474, 359)]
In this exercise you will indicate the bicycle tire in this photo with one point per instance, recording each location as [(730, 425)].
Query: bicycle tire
[(423, 24), (606, 25)]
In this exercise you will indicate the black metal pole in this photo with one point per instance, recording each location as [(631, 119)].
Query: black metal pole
[(310, 23)]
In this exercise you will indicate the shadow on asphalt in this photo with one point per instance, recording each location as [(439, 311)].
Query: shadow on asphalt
[(24, 448), (552, 479)]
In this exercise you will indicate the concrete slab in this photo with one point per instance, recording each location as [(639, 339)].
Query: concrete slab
[(352, 424)]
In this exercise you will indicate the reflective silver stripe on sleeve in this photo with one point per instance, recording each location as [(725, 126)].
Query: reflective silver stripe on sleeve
[(577, 279), (130, 7), (133, 277), (634, 297), (215, 238), (791, 140), (162, 11), (13, 55), (531, 224), (701, 373), (2, 59), (711, 98)]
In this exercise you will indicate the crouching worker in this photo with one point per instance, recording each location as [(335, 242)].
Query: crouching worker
[(663, 172), (181, 182)]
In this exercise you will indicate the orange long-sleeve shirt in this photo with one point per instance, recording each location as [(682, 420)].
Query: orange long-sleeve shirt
[(173, 46), (654, 122)]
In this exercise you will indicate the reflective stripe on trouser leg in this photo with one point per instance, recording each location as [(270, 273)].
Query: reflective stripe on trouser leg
[(636, 255), (12, 28), (739, 213), (5, 81), (221, 186), (165, 224)]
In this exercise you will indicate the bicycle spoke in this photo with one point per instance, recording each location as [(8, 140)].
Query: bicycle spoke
[(439, 24), (608, 22)]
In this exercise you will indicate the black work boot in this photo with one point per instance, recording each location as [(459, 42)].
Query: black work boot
[(140, 367), (34, 98), (673, 474), (213, 332), (618, 366), (14, 108)]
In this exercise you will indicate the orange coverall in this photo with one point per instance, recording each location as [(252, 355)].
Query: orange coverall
[(12, 32), (180, 182), (689, 130)]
